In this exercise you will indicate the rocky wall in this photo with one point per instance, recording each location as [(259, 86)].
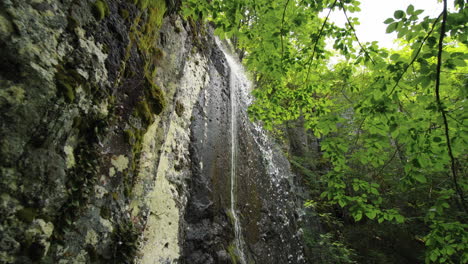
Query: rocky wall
[(95, 98)]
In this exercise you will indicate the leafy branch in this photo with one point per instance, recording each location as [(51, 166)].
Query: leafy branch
[(354, 33), (415, 55), (309, 63)]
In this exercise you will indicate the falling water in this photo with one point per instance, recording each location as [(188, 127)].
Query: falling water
[(235, 81)]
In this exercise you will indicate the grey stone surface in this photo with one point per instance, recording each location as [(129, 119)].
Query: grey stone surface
[(109, 155)]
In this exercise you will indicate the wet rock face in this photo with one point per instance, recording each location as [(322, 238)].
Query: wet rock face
[(266, 202), (208, 230)]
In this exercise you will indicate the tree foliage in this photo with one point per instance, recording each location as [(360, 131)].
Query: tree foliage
[(392, 123)]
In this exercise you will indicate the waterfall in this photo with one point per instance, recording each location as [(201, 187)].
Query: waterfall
[(236, 81), (241, 182)]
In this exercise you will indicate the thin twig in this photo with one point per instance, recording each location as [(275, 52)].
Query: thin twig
[(387, 163), (454, 119), (281, 32)]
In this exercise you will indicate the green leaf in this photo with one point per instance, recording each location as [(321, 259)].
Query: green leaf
[(416, 163), (410, 9), (459, 62), (399, 14), (400, 219), (420, 178), (374, 191), (342, 203), (389, 20), (418, 12), (355, 187), (371, 214), (402, 32), (437, 139), (395, 56), (392, 27), (357, 216)]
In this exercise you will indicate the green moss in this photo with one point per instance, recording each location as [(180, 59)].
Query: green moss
[(129, 136), (230, 216), (105, 48), (105, 212), (6, 28), (179, 108), (144, 4), (136, 149), (158, 54), (12, 94), (144, 112), (232, 253), (156, 98), (27, 215), (144, 34), (134, 137), (72, 23), (129, 73), (125, 242), (67, 79), (124, 13), (100, 9), (65, 85)]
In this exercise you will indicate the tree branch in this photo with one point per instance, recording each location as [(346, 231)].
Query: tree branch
[(442, 109), (281, 32)]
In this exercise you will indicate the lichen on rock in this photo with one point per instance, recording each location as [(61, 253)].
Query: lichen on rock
[(120, 163)]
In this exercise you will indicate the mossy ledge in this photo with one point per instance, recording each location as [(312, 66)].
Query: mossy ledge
[(100, 9), (144, 35)]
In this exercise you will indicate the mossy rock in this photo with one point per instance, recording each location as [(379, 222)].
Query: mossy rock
[(158, 54), (27, 215), (144, 4), (179, 108), (124, 13), (143, 110), (105, 212), (156, 98), (100, 9), (67, 79), (125, 241), (232, 253), (6, 27), (72, 23), (65, 86)]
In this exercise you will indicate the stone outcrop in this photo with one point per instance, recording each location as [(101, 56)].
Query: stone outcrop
[(113, 131)]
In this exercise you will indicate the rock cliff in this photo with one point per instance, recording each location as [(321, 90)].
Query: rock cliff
[(115, 142)]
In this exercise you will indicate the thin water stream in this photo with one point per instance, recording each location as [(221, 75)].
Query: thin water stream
[(236, 82)]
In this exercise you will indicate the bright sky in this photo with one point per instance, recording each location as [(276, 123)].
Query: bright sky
[(374, 12)]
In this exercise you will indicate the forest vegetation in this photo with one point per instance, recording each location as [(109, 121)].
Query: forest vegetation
[(390, 184)]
